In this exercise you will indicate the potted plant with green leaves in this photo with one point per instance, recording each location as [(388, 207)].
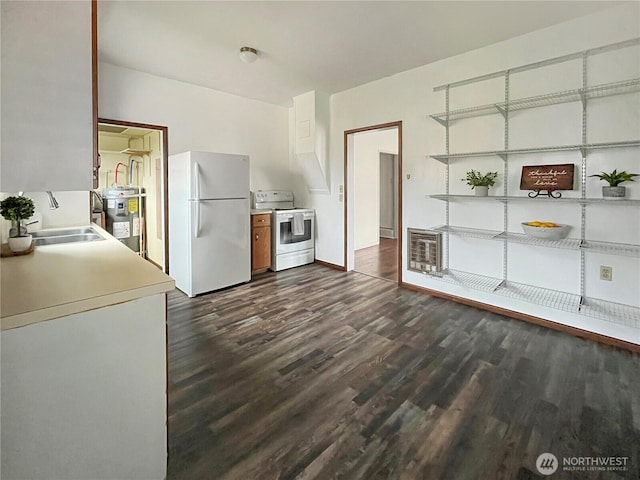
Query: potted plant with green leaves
[(480, 182), (17, 209), (614, 179)]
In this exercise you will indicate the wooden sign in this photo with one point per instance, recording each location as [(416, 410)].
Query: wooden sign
[(547, 177)]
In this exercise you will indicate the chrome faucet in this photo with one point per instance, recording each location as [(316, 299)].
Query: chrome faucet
[(96, 201), (53, 203)]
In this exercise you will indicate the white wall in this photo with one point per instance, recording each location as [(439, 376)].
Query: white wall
[(409, 97), (199, 118), (366, 183), (110, 145)]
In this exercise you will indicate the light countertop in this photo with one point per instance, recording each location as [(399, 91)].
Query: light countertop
[(258, 212), (59, 280)]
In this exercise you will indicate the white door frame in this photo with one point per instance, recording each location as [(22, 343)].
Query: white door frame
[(349, 204), (164, 132)]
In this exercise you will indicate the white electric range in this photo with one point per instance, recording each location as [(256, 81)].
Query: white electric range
[(292, 229)]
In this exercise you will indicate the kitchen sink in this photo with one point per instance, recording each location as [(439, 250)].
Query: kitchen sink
[(65, 235), (59, 232)]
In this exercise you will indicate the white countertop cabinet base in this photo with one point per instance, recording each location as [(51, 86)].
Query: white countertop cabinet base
[(84, 396)]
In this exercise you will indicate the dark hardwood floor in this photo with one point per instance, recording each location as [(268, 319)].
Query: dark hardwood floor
[(312, 373), (379, 260)]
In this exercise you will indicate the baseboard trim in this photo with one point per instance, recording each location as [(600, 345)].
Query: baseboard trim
[(387, 233), (331, 265), (576, 332)]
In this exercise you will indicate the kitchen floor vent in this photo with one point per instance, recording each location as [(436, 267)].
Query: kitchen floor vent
[(425, 251)]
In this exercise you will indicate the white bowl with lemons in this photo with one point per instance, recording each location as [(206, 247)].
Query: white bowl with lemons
[(546, 230)]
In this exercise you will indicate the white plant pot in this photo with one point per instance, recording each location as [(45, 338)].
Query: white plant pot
[(481, 191), (614, 193), (20, 244)]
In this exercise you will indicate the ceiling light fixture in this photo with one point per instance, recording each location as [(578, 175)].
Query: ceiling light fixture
[(248, 54)]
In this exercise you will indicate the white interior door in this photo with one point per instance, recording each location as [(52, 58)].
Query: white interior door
[(220, 244)]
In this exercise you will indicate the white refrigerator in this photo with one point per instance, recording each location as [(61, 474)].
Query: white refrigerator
[(209, 221)]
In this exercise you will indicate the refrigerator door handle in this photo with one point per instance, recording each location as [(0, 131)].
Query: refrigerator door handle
[(196, 224), (196, 180)]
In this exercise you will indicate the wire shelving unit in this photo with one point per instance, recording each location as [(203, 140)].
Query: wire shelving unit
[(574, 302)]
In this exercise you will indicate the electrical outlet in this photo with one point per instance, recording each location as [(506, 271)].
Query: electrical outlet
[(340, 197), (606, 273)]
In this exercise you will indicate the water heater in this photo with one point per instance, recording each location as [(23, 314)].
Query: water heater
[(122, 206)]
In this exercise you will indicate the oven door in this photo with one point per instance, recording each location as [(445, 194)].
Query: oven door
[(284, 239)]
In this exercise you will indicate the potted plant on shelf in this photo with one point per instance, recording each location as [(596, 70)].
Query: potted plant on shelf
[(614, 179), (17, 209), (480, 182)]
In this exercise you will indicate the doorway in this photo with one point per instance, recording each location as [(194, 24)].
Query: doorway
[(131, 199), (373, 205)]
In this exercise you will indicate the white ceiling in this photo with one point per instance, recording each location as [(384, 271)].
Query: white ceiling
[(317, 45)]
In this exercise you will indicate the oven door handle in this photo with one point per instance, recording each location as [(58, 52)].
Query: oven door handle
[(306, 216)]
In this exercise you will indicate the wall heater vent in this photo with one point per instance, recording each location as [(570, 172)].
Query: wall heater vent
[(425, 251)]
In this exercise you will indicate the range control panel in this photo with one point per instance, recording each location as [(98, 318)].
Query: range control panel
[(269, 199)]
